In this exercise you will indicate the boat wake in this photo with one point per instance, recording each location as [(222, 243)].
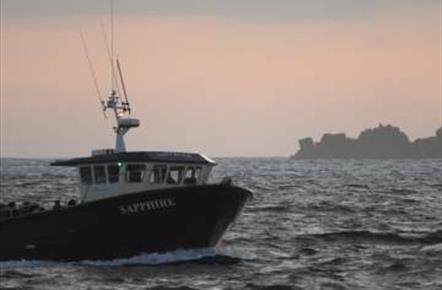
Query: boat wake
[(200, 256)]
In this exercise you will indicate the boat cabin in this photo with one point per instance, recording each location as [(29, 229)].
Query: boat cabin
[(107, 174), (112, 172)]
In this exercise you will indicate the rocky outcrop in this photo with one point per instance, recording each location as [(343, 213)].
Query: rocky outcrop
[(383, 142)]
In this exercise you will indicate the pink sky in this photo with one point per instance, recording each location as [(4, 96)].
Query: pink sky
[(220, 86)]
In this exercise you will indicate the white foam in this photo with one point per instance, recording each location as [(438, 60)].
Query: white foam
[(26, 264), (432, 248), (142, 259), (156, 258)]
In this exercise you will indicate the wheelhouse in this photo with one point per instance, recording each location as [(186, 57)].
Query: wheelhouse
[(106, 174)]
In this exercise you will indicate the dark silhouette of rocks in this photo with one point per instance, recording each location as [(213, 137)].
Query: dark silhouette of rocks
[(383, 142)]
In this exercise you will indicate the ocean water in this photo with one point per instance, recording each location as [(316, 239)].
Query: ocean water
[(324, 224)]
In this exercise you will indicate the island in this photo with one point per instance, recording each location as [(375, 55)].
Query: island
[(382, 142)]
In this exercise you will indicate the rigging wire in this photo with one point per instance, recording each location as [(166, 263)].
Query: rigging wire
[(111, 61), (91, 69), (126, 104), (112, 43)]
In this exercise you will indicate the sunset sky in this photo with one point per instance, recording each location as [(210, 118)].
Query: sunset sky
[(224, 78)]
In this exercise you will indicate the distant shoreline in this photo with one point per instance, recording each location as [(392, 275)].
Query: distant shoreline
[(382, 142)]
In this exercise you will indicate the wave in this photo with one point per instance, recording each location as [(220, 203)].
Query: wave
[(357, 185), (271, 287), (403, 191), (308, 251), (270, 208), (207, 256), (12, 274), (328, 206), (27, 264), (431, 249), (368, 236), (171, 288), (155, 258)]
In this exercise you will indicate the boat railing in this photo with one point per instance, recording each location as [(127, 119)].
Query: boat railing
[(12, 209)]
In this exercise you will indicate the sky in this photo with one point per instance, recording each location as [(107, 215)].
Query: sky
[(223, 78)]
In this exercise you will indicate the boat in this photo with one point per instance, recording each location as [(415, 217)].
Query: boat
[(129, 203)]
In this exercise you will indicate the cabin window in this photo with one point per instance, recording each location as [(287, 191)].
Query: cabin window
[(158, 174), (113, 173), (99, 174), (135, 172), (175, 175), (192, 175), (86, 175)]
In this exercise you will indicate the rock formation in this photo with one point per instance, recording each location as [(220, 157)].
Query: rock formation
[(383, 142)]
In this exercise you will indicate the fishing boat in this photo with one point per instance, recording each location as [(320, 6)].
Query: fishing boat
[(129, 203)]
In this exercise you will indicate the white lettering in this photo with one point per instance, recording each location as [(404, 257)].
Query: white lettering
[(148, 205), (163, 203), (171, 202), (123, 210)]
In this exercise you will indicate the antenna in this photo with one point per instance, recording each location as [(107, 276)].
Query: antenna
[(114, 102), (112, 42), (92, 71), (125, 104), (108, 50)]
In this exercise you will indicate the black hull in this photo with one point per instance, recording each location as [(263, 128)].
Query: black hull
[(124, 226)]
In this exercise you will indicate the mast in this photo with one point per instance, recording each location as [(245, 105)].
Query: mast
[(124, 122), (112, 44), (115, 103), (123, 85)]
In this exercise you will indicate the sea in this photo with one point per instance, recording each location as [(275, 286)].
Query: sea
[(317, 224)]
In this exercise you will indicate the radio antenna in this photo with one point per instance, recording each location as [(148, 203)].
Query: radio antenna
[(114, 102), (92, 71), (108, 50), (125, 104), (112, 43)]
